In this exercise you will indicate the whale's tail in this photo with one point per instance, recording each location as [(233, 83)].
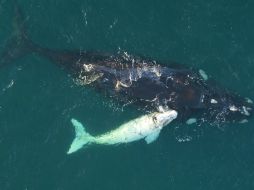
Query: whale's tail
[(18, 45), (82, 137)]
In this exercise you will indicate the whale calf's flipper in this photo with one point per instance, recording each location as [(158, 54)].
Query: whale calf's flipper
[(81, 137), (152, 137)]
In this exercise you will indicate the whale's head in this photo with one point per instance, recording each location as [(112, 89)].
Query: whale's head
[(229, 107), (164, 118)]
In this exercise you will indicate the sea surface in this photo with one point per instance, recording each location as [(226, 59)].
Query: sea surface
[(38, 99)]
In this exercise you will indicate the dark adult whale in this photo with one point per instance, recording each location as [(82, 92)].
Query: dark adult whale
[(148, 84)]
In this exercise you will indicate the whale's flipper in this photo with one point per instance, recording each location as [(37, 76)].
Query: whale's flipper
[(152, 137), (81, 138)]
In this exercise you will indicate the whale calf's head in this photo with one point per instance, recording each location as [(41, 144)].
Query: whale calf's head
[(164, 118)]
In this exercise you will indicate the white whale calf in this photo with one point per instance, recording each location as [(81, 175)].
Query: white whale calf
[(147, 126)]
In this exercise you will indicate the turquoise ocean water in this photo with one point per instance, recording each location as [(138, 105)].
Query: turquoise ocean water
[(37, 99)]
